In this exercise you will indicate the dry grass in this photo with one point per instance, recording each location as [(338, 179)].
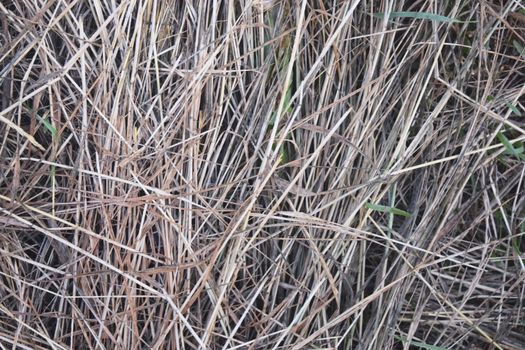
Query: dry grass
[(262, 175)]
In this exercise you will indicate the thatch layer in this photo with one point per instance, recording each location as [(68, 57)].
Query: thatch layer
[(262, 174)]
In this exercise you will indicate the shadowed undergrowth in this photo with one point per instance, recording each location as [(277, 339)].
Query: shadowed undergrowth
[(262, 174)]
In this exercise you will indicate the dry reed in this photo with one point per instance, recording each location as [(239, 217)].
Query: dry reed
[(262, 174)]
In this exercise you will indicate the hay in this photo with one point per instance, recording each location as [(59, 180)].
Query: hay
[(262, 174)]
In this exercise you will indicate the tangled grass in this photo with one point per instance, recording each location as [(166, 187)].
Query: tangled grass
[(256, 174)]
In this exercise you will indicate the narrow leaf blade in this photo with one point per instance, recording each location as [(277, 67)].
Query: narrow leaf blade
[(48, 126), (385, 209), (509, 147), (518, 47), (513, 108), (420, 344)]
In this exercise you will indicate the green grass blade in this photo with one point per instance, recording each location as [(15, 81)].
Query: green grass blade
[(385, 209), (271, 123), (518, 149), (287, 99), (283, 155), (49, 127), (420, 344), (518, 47), (513, 108), (509, 147), (417, 15)]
